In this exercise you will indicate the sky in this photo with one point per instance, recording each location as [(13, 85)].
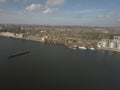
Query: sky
[(61, 12)]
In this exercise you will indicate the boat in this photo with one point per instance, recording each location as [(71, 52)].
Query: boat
[(84, 48), (92, 48), (19, 53), (72, 48)]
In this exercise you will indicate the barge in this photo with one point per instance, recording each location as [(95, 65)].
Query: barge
[(19, 53)]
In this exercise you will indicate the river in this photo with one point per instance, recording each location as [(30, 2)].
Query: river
[(56, 67)]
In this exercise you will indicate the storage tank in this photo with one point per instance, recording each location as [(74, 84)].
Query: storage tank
[(118, 45), (105, 43), (113, 44)]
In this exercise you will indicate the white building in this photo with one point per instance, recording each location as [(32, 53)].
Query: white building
[(118, 45), (22, 28), (18, 35), (7, 34), (99, 44), (104, 43), (43, 39), (113, 44)]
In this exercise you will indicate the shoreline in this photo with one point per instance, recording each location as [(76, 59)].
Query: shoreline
[(109, 49), (68, 46)]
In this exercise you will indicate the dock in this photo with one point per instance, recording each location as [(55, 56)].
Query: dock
[(109, 49)]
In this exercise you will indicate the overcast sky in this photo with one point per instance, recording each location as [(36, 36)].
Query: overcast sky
[(61, 12)]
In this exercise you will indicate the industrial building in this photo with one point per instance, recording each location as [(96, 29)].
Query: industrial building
[(112, 44), (9, 34)]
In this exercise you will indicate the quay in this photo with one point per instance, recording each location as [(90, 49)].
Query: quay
[(109, 49)]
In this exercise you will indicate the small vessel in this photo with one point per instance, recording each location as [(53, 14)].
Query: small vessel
[(74, 48), (19, 53), (92, 48), (84, 48)]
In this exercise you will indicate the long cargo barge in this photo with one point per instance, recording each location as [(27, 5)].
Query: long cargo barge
[(19, 53)]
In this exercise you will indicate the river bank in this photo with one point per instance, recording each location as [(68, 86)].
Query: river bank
[(67, 41)]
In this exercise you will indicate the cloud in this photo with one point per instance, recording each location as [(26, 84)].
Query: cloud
[(41, 8), (34, 7), (55, 2), (50, 10)]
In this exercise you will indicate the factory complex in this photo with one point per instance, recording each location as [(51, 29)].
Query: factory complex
[(110, 44)]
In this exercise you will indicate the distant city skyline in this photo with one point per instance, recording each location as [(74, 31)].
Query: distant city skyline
[(61, 12)]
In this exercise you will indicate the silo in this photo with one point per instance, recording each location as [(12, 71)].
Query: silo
[(113, 44), (105, 43), (118, 45)]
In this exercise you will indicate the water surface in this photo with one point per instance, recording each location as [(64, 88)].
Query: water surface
[(56, 67)]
